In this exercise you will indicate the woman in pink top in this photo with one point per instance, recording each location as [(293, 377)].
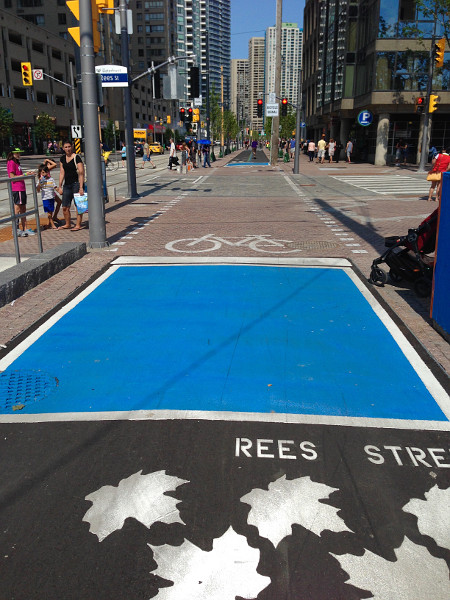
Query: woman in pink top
[(441, 163), (18, 190)]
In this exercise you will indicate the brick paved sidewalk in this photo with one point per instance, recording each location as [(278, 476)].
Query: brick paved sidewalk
[(233, 202)]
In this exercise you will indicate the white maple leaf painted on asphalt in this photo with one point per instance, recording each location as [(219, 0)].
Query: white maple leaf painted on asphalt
[(415, 575), (227, 571), (141, 497), (433, 515), (286, 502)]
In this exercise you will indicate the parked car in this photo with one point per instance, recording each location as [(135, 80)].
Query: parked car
[(156, 148), (139, 149)]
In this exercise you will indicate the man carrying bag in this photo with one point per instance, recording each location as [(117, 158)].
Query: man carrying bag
[(71, 172)]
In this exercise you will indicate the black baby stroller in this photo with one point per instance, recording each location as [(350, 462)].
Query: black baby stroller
[(406, 257)]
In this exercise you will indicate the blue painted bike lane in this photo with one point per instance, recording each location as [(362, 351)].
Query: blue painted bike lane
[(224, 430)]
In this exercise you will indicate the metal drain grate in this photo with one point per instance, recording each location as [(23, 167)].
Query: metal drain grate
[(19, 388), (318, 245)]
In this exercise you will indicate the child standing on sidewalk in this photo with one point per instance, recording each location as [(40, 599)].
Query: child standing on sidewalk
[(46, 185)]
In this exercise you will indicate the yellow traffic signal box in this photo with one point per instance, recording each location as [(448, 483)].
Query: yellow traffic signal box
[(434, 101), (25, 68), (98, 7), (439, 49)]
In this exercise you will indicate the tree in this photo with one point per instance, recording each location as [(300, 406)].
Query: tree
[(45, 127), (436, 9), (6, 123), (215, 114), (110, 134), (231, 127)]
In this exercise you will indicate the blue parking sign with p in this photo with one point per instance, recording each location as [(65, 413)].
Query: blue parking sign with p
[(365, 118)]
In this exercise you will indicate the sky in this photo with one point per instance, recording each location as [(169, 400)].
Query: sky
[(250, 18)]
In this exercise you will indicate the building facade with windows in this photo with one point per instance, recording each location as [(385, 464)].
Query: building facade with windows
[(291, 60), (22, 41), (372, 56), (240, 90), (256, 50)]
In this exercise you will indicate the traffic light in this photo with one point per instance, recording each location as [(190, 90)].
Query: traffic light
[(420, 105), (259, 107), (439, 49), (433, 103), (98, 7), (189, 114), (168, 120), (25, 67), (182, 114), (284, 105)]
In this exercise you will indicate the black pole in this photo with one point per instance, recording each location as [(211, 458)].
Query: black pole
[(208, 114), (426, 115), (129, 141)]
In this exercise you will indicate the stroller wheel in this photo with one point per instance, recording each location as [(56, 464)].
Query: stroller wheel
[(396, 278), (378, 276), (422, 287)]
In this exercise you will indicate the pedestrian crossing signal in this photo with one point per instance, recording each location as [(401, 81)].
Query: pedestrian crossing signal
[(420, 105), (25, 68)]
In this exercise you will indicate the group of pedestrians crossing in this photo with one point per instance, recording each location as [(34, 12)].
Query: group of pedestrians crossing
[(330, 149)]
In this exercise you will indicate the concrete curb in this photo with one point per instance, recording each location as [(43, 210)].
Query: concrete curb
[(17, 280)]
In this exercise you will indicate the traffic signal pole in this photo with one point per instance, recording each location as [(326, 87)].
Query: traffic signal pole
[(129, 140), (426, 115), (276, 120), (97, 227), (298, 122)]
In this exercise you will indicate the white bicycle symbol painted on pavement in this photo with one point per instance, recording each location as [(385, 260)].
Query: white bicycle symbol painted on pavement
[(211, 242)]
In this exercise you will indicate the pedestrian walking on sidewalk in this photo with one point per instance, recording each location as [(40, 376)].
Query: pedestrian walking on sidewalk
[(349, 150), (71, 173), (172, 154), (18, 189), (321, 147), (206, 152), (311, 150), (331, 149), (124, 156)]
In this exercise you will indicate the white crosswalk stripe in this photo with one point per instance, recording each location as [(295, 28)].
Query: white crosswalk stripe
[(387, 185)]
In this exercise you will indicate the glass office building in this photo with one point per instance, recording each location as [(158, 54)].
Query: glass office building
[(372, 55)]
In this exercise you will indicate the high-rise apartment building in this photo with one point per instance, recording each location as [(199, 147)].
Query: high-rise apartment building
[(219, 31), (153, 41), (204, 29), (291, 60), (240, 89), (256, 80), (53, 16), (368, 57)]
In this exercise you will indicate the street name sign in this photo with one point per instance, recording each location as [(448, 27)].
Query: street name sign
[(113, 75), (272, 110)]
